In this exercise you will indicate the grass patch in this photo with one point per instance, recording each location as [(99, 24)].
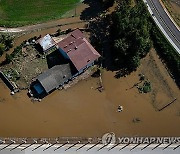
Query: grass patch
[(22, 12), (173, 12), (167, 53), (12, 74)]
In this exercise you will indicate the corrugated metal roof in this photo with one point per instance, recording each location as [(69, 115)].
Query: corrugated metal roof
[(46, 42), (54, 77), (79, 50)]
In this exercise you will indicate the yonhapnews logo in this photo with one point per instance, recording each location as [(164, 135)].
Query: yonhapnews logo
[(109, 138)]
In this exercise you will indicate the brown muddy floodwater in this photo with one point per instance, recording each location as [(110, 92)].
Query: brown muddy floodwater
[(83, 111)]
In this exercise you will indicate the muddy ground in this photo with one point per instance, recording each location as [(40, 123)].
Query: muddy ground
[(83, 111)]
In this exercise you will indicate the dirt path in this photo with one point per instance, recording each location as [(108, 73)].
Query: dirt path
[(50, 24)]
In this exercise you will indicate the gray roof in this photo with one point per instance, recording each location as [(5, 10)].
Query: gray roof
[(54, 77)]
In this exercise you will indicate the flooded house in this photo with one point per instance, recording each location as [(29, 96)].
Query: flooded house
[(78, 50), (79, 54), (52, 79)]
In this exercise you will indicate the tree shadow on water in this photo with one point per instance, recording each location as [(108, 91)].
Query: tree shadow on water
[(101, 40)]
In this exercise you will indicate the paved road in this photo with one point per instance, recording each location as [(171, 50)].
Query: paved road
[(169, 29)]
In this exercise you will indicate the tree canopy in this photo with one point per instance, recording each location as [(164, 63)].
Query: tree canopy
[(107, 3), (6, 42), (131, 34)]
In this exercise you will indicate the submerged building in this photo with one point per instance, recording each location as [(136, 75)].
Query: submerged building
[(78, 50), (80, 55), (52, 79)]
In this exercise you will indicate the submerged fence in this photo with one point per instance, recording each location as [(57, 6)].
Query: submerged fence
[(7, 82)]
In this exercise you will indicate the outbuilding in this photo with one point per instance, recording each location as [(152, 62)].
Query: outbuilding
[(52, 79), (47, 43)]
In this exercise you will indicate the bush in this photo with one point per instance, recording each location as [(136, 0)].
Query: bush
[(145, 88), (2, 49), (58, 32), (6, 42), (17, 51), (9, 58), (6, 39)]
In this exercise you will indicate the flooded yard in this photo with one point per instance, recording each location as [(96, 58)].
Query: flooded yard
[(84, 111)]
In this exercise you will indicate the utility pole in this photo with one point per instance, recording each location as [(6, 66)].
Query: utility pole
[(75, 10)]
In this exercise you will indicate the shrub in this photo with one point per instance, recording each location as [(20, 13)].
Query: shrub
[(9, 58)]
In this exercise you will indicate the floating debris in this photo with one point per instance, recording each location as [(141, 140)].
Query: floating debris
[(100, 88), (120, 108), (12, 92)]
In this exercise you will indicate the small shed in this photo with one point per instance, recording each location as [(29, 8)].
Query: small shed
[(46, 42)]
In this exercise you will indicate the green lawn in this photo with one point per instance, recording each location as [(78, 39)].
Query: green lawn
[(22, 12)]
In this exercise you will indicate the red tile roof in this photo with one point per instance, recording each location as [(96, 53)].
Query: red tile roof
[(79, 50)]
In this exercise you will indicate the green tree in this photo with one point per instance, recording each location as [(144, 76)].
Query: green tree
[(107, 3), (134, 62), (9, 58), (131, 33), (121, 45), (8, 42), (58, 32), (2, 49)]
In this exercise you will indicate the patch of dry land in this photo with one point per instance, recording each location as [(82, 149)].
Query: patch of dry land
[(84, 111)]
